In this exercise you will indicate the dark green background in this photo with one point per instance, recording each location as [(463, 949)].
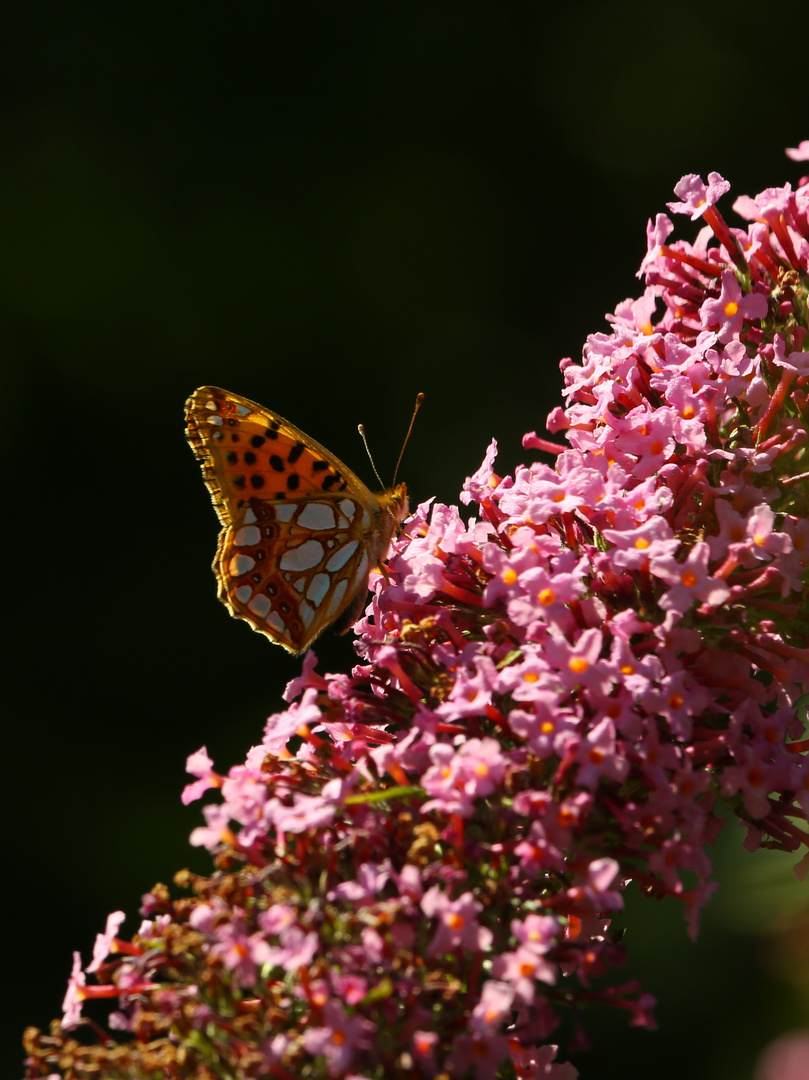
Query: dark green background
[(326, 208)]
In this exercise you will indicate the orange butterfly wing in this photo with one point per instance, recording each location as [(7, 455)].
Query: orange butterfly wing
[(300, 532)]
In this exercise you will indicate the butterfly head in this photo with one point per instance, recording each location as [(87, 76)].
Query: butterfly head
[(394, 502)]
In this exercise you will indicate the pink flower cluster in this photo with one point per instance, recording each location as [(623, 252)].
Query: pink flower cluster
[(421, 863)]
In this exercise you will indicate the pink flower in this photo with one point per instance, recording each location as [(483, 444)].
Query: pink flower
[(106, 943), (471, 693), (458, 926), (536, 1063), (731, 308), (280, 727), (520, 970), (537, 932), (308, 811), (579, 664), (481, 484), (797, 360), (696, 196), (596, 892), (423, 1046), (75, 995), (239, 951), (339, 1038), (787, 1057), (799, 152), (297, 950), (598, 756), (657, 232), (493, 1008), (480, 1051), (689, 580), (456, 779), (199, 764), (753, 777), (638, 543), (216, 829), (276, 919)]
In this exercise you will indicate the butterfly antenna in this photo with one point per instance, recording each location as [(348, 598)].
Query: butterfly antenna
[(416, 407), (361, 430)]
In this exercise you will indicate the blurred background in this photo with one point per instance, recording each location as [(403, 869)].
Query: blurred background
[(325, 208)]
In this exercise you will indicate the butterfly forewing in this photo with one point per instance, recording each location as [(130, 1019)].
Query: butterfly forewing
[(300, 531)]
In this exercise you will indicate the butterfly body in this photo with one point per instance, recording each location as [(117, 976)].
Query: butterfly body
[(300, 532)]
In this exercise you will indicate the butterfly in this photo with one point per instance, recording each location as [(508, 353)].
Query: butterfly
[(300, 532)]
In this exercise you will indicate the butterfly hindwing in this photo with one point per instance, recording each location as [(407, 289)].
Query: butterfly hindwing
[(300, 531)]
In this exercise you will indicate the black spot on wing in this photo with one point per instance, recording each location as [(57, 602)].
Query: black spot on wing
[(334, 482)]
